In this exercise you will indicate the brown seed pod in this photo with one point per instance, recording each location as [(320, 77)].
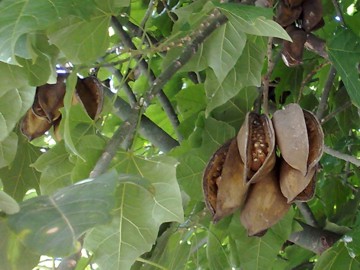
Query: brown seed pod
[(231, 187), (265, 205), (212, 176), (49, 99), (33, 126), (90, 93), (256, 142), (292, 136), (286, 15), (312, 15), (293, 3), (292, 52)]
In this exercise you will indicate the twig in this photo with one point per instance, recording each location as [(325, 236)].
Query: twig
[(308, 78), (215, 20), (326, 92), (164, 101), (335, 112), (307, 214), (266, 80), (339, 13), (342, 156), (147, 14)]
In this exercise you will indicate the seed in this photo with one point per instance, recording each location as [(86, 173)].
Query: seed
[(256, 164), (257, 145), (261, 157)]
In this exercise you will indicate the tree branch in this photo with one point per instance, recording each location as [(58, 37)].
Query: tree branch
[(335, 112), (214, 20), (326, 92), (339, 13), (342, 156), (266, 81), (163, 99), (307, 214)]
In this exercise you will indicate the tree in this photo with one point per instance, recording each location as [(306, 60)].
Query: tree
[(122, 189)]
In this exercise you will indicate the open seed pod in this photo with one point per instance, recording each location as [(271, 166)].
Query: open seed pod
[(90, 93), (295, 185), (286, 15), (33, 126), (265, 205), (231, 187), (292, 52), (49, 98), (293, 3), (312, 15), (212, 176), (256, 142), (292, 136)]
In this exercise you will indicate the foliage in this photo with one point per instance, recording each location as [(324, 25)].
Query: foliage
[(145, 210)]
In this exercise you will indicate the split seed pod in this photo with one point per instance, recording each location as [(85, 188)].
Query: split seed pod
[(256, 141), (300, 140), (286, 15), (33, 126), (264, 206), (312, 15), (293, 3), (90, 93), (292, 52)]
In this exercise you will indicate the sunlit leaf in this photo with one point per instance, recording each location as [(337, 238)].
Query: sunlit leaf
[(139, 213)]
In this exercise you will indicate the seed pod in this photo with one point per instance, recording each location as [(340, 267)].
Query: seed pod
[(292, 136), (212, 176), (286, 15), (292, 52), (293, 3), (265, 205), (49, 99), (256, 142), (90, 93), (33, 126), (312, 15), (231, 187), (294, 184)]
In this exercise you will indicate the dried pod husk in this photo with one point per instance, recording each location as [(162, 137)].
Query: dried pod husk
[(286, 15), (312, 14), (265, 205), (292, 136), (295, 186), (232, 190), (90, 93), (293, 3), (292, 52), (56, 133), (212, 176), (256, 142), (50, 98), (33, 126)]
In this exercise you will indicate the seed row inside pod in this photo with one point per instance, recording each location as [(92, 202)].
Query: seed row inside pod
[(245, 173)]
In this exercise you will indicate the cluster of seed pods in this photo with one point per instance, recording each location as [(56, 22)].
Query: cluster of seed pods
[(245, 173)]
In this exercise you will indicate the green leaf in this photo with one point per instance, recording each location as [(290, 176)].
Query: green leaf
[(13, 254), (223, 48), (19, 98), (344, 52), (8, 204), (11, 77), (19, 177), (191, 100), (8, 149), (192, 164), (139, 213), (253, 20), (52, 224), (247, 72), (337, 257), (82, 41)]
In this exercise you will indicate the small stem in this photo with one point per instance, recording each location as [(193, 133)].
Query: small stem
[(338, 12), (335, 112), (325, 95), (266, 80), (307, 214), (342, 156)]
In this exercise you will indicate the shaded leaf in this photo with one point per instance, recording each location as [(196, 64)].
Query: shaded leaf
[(8, 204), (52, 224), (344, 52), (8, 149)]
